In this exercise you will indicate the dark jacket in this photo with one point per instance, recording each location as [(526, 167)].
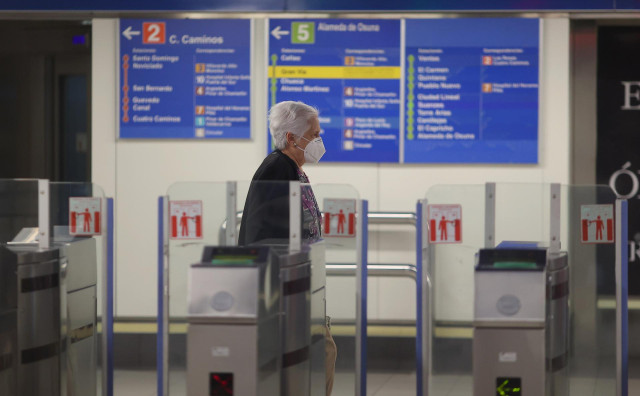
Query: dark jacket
[(266, 210)]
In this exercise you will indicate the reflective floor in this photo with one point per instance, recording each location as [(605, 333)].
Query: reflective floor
[(143, 383)]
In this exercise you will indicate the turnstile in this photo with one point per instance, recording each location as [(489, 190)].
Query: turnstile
[(48, 319), (521, 321), (257, 322)]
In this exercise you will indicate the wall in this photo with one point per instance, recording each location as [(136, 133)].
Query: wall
[(137, 172)]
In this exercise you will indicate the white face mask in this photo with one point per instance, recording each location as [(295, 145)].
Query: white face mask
[(314, 150)]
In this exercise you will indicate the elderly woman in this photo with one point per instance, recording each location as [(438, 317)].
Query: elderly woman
[(295, 129)]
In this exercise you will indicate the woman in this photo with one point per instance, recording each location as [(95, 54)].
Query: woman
[(295, 130)]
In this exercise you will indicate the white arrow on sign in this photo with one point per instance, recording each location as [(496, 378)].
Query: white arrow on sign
[(128, 33), (277, 33)]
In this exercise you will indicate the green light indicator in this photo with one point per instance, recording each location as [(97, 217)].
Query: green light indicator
[(508, 386), (515, 265)]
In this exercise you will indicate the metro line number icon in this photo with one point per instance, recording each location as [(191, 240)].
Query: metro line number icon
[(303, 32), (154, 33)]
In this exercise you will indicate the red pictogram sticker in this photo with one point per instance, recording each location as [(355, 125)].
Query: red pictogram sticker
[(85, 216), (339, 218), (185, 219), (596, 224), (445, 223)]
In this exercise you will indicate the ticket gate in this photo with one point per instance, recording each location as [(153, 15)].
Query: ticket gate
[(521, 321), (48, 318), (256, 320)]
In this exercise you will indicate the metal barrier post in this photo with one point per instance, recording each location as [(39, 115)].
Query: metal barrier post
[(43, 214), (554, 218), (231, 222), (419, 356), (162, 340), (362, 210), (295, 217), (490, 216), (107, 358), (622, 295), (423, 290)]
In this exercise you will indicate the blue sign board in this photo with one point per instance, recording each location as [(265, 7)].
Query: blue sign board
[(185, 79), (471, 91), (350, 70)]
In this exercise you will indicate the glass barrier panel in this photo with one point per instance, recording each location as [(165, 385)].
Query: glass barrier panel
[(337, 203), (522, 212), (18, 207), (78, 211), (450, 268), (592, 365), (196, 211)]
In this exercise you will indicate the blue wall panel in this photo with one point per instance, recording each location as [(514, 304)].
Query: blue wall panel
[(449, 5), (144, 5), (316, 5), (627, 4)]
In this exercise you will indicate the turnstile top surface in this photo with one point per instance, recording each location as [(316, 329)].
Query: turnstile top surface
[(233, 256), (233, 283), (510, 285), (513, 256), (26, 254)]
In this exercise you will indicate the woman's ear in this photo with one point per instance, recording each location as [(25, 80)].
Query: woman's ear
[(289, 137)]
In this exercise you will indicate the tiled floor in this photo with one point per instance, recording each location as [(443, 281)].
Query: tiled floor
[(143, 383)]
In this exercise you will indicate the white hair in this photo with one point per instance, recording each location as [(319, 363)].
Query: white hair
[(289, 116)]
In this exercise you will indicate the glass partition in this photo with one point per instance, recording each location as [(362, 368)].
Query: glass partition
[(77, 211), (341, 256), (592, 295), (522, 213), (18, 207), (202, 214)]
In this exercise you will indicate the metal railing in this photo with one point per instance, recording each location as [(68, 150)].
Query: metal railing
[(375, 270), (396, 218), (377, 218)]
